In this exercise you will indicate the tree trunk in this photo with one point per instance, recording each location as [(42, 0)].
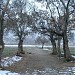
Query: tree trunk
[(54, 47), (42, 45), (67, 54), (1, 47), (1, 36), (58, 46), (1, 50), (53, 44), (20, 47)]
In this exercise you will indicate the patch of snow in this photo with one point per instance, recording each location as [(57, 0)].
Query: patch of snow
[(13, 74), (6, 58), (10, 60), (4, 72), (16, 58), (45, 49), (27, 46), (73, 56), (73, 69)]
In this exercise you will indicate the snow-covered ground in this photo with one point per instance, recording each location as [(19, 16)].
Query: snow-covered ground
[(8, 61), (33, 46), (26, 46), (4, 72), (46, 71), (5, 62)]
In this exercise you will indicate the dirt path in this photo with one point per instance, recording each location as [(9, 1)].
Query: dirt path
[(36, 58)]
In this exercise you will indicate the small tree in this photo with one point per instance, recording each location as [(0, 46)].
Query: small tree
[(41, 40)]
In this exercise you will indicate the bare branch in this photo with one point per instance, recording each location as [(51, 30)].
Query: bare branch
[(57, 9), (5, 7), (68, 3), (63, 3)]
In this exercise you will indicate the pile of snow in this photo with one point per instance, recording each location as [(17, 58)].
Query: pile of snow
[(8, 61)]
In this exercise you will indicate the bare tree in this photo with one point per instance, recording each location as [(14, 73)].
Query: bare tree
[(19, 22), (64, 18), (42, 39)]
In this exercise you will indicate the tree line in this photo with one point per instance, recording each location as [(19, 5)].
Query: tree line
[(23, 18)]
